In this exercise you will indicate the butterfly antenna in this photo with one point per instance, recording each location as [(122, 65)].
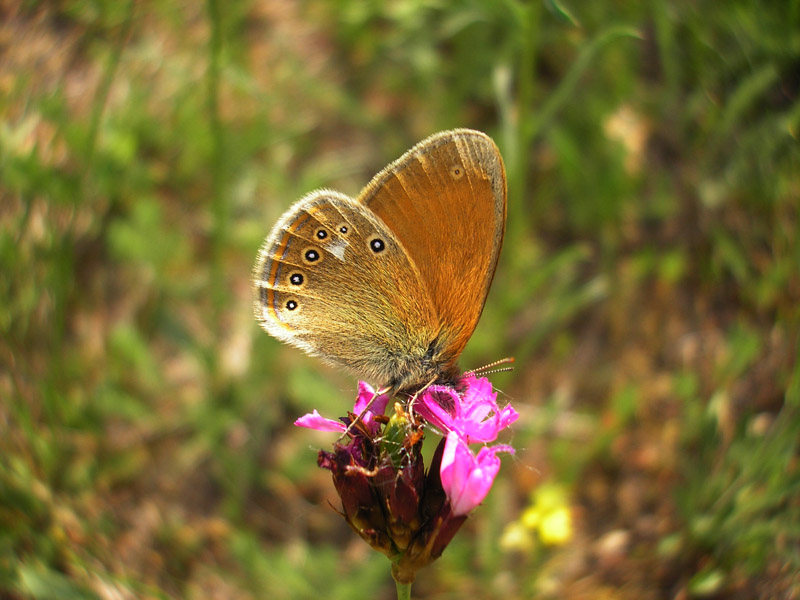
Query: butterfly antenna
[(490, 368)]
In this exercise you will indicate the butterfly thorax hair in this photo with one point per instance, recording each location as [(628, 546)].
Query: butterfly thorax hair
[(410, 369)]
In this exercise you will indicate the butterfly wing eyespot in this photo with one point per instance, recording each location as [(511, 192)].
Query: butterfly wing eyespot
[(312, 255), (456, 172), (376, 244)]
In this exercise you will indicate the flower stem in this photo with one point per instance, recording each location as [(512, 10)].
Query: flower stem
[(403, 591)]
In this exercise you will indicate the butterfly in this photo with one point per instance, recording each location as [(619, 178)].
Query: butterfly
[(390, 285)]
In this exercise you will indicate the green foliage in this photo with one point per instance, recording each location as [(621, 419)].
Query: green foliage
[(745, 513), (744, 510), (45, 584), (649, 285)]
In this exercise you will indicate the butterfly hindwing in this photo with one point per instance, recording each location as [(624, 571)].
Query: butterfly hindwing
[(334, 281)]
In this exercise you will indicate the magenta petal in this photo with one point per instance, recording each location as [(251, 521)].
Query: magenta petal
[(455, 467), (465, 488), (506, 417), (478, 389), (367, 398), (366, 393), (467, 478), (314, 420), (487, 430), (438, 406)]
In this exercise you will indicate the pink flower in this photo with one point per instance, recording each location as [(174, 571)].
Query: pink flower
[(474, 415), (467, 478), (366, 394), (388, 497)]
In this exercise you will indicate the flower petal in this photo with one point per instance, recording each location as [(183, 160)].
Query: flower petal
[(314, 420), (467, 478), (366, 394), (367, 398), (438, 406)]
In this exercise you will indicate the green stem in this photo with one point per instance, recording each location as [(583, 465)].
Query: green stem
[(403, 591)]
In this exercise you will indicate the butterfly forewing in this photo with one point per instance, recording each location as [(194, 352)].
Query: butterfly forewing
[(445, 201)]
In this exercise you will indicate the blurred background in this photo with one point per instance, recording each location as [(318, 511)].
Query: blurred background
[(649, 288)]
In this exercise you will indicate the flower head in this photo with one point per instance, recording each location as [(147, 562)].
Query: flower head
[(379, 474)]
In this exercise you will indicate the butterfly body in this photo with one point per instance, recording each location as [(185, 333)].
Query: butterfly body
[(390, 285)]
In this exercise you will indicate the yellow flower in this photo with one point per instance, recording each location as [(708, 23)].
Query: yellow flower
[(548, 516), (556, 527), (517, 537)]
